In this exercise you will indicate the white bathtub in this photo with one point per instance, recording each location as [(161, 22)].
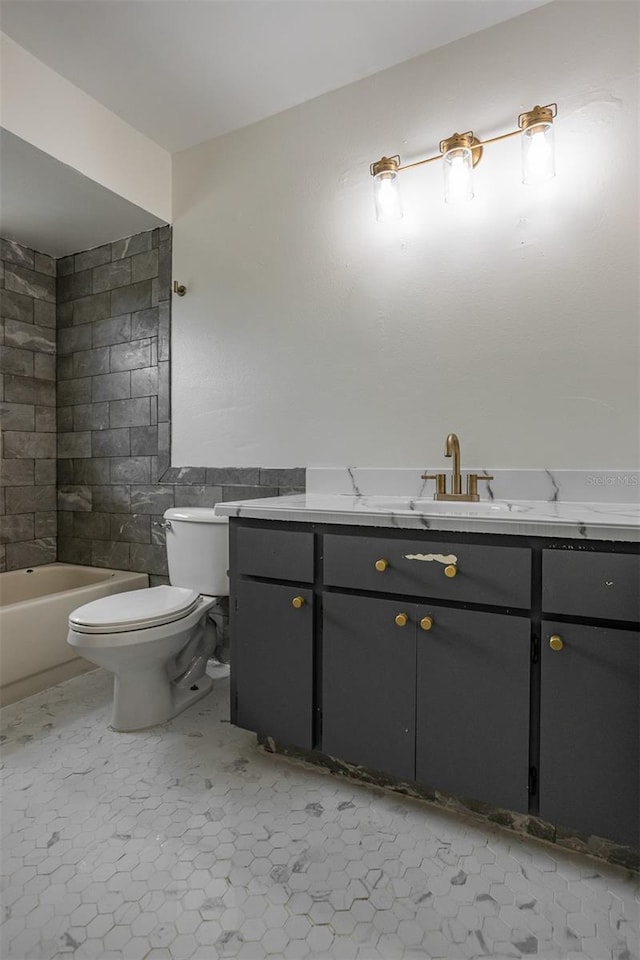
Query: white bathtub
[(34, 609)]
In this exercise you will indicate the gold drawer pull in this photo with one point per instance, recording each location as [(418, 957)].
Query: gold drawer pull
[(426, 623), (401, 620), (381, 565), (450, 570), (298, 602), (555, 642)]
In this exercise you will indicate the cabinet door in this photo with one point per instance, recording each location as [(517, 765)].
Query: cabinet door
[(472, 735), (368, 681), (589, 741), (272, 661)]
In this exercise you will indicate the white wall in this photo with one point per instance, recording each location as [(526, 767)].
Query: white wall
[(44, 109), (313, 335)]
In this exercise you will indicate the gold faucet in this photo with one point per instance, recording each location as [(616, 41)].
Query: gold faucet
[(452, 449)]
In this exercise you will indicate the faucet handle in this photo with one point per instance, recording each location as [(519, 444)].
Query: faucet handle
[(441, 481), (472, 484)]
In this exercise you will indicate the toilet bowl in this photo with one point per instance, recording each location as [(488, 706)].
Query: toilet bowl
[(156, 642)]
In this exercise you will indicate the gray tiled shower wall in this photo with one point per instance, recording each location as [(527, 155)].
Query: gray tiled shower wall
[(114, 474), (27, 407)]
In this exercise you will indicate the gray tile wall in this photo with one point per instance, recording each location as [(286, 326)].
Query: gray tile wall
[(114, 473), (27, 407)]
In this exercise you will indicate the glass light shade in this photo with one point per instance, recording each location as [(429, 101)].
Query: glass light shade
[(458, 180), (538, 162), (387, 197)]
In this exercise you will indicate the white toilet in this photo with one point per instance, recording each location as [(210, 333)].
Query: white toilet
[(157, 642)]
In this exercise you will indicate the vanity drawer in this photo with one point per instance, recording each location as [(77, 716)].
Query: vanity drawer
[(604, 585), (276, 554), (500, 576)]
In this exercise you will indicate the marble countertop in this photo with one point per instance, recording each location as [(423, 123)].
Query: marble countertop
[(588, 521)]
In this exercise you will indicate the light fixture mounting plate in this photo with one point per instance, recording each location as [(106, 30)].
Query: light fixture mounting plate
[(459, 141), (385, 165)]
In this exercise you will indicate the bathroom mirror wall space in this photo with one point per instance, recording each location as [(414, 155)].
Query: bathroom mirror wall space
[(314, 335)]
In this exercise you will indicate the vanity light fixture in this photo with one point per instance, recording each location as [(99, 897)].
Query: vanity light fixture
[(461, 152), (385, 189), (538, 163)]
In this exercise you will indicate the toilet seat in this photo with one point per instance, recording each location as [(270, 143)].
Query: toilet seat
[(134, 610)]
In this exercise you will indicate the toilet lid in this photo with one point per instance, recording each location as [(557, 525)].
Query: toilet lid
[(134, 610)]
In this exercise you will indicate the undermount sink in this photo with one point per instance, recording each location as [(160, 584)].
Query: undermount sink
[(429, 505), (467, 506)]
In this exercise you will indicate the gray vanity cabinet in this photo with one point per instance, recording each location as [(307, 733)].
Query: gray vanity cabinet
[(589, 732), (472, 734), (446, 706), (590, 702), (273, 660), (442, 699), (429, 659), (368, 681)]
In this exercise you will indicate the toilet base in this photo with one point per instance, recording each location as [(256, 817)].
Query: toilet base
[(146, 700), (184, 698)]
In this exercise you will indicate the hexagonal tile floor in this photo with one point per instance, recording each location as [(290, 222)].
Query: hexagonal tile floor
[(187, 841)]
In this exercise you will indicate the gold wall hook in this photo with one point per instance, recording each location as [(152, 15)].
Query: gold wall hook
[(179, 288)]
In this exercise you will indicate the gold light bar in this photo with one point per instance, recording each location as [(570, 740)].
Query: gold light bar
[(463, 151)]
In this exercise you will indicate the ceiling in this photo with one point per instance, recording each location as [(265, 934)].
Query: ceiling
[(185, 71), (51, 207)]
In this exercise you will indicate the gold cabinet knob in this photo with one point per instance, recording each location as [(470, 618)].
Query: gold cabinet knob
[(401, 620), (555, 642), (426, 623), (381, 565), (450, 570), (298, 602)]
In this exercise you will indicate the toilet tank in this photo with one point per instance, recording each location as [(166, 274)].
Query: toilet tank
[(198, 550)]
